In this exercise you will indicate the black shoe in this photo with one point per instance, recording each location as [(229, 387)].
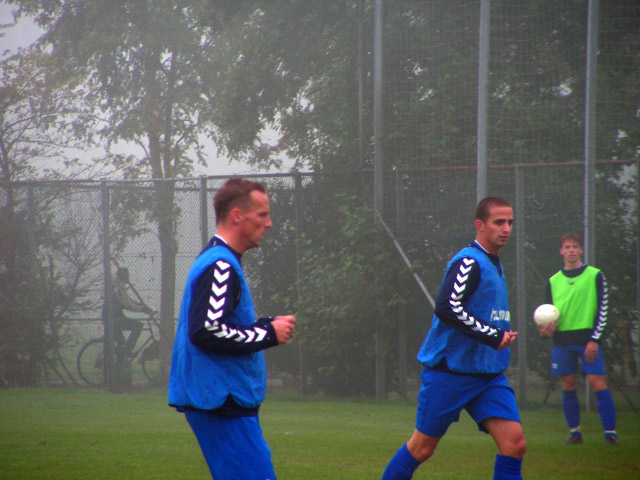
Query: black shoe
[(611, 440), (574, 439)]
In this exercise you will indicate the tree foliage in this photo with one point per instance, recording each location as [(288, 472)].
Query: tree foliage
[(147, 69), (41, 118), (294, 78), (344, 295)]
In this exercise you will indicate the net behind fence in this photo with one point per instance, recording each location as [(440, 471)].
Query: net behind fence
[(535, 121), (54, 240)]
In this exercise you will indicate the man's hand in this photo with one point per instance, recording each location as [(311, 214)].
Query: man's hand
[(591, 352), (507, 340), (285, 327), (548, 329)]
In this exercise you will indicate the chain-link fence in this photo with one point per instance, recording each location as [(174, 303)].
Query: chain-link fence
[(63, 244), (67, 240), (326, 259)]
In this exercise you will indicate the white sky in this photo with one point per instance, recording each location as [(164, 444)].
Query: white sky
[(25, 32)]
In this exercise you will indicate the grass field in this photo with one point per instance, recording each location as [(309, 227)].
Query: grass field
[(69, 434)]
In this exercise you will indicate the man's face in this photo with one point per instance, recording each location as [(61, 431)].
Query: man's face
[(571, 252), (255, 220), (495, 231)]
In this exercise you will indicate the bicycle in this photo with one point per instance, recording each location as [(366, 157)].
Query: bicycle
[(92, 367)]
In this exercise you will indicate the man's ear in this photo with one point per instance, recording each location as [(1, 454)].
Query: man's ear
[(235, 215)]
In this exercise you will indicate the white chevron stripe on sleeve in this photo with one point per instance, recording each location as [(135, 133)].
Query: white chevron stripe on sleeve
[(222, 265), (220, 277), (218, 291), (222, 332), (456, 296), (216, 304), (459, 288), (211, 325), (261, 333)]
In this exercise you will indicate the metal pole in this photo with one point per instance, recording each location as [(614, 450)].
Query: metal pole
[(590, 134), (297, 201), (109, 361), (483, 88), (378, 168), (360, 87), (590, 144), (402, 309), (377, 109), (204, 211), (520, 288)]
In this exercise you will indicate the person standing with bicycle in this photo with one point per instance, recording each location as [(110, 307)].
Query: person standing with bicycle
[(218, 373)]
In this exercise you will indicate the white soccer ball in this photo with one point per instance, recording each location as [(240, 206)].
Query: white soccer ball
[(545, 314)]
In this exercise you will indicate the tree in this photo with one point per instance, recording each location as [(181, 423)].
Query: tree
[(40, 119), (147, 67)]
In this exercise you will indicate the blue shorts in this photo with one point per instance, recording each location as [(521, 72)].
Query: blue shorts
[(564, 360), (443, 395), (233, 447)]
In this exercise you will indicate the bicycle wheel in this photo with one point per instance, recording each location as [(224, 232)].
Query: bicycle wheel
[(90, 362), (150, 363)]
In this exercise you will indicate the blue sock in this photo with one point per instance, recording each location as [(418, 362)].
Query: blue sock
[(571, 408), (507, 468), (401, 466), (607, 411)]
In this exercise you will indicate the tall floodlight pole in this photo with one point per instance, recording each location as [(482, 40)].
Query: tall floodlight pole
[(483, 88), (378, 165), (590, 134), (590, 143), (377, 109), (360, 86)]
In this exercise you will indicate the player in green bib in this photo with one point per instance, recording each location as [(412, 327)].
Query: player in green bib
[(580, 293)]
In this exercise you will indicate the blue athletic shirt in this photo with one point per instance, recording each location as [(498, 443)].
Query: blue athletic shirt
[(217, 362), (471, 316)]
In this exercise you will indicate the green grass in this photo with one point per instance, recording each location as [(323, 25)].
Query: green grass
[(69, 434)]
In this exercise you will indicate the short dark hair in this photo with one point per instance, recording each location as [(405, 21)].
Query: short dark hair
[(236, 192), (482, 210), (571, 236)]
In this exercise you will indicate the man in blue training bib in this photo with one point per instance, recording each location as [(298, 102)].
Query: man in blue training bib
[(466, 352), (218, 374), (581, 295)]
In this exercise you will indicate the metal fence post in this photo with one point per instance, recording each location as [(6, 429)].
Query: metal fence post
[(109, 361), (204, 211), (378, 170), (483, 89), (297, 189), (521, 294), (590, 146), (402, 309)]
